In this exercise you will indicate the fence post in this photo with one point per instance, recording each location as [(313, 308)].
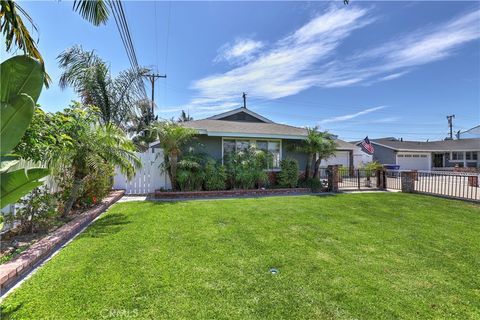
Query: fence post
[(333, 177), (381, 179), (408, 181)]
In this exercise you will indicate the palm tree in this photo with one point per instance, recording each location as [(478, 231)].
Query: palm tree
[(17, 34), (318, 146), (172, 137), (93, 144), (117, 98), (184, 117)]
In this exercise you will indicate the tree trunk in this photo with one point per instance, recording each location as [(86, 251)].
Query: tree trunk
[(308, 166), (77, 184), (173, 170), (316, 173)]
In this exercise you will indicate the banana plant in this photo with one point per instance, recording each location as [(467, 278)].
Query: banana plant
[(22, 81)]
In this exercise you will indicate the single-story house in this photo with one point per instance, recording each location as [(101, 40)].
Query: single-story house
[(240, 128), (430, 155)]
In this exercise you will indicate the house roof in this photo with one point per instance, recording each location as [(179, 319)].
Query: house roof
[(440, 146), (240, 129), (240, 110)]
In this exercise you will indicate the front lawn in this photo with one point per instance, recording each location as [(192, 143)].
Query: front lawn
[(355, 256)]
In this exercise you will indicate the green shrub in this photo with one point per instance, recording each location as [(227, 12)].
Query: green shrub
[(288, 176), (36, 212), (190, 173), (97, 185), (314, 184), (246, 169), (215, 176)]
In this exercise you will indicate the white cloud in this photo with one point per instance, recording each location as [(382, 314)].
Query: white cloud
[(352, 115), (308, 57), (242, 50)]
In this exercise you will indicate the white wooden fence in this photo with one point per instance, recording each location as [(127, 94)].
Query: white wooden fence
[(147, 179)]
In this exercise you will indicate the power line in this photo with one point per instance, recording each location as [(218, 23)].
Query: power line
[(122, 26)]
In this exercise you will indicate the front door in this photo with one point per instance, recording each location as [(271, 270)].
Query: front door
[(438, 160)]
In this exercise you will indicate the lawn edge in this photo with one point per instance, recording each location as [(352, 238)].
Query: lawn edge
[(18, 268)]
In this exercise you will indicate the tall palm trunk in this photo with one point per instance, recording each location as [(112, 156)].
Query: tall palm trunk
[(308, 167), (76, 186), (316, 172), (173, 170)]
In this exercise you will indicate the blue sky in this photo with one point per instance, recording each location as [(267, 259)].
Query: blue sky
[(369, 68)]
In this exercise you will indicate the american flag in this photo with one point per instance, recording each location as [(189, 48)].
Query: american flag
[(367, 146)]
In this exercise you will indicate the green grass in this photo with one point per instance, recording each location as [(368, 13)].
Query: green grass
[(356, 256)]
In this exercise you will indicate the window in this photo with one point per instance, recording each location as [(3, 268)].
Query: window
[(228, 146), (273, 147), (471, 156), (457, 156), (243, 145), (274, 150)]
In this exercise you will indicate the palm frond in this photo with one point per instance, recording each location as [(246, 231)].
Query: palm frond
[(94, 11)]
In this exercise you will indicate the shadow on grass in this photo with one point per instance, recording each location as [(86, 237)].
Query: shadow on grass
[(6, 312), (107, 225)]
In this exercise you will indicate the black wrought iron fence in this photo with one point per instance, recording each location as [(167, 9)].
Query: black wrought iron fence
[(452, 184), (357, 179), (393, 179)]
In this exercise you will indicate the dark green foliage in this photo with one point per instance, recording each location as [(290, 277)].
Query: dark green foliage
[(246, 169), (314, 184), (97, 185), (288, 176), (36, 212), (347, 256), (215, 176), (190, 173)]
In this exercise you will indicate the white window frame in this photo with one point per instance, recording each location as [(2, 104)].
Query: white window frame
[(457, 160), (253, 142)]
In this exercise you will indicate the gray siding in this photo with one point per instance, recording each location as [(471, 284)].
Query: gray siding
[(384, 155), (211, 146), (288, 152)]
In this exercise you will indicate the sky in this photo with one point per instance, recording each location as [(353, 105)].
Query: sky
[(380, 69)]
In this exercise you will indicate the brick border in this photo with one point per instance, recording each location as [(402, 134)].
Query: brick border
[(21, 265), (228, 193)]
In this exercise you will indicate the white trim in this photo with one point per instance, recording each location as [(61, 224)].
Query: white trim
[(255, 135), (417, 150), (238, 110)]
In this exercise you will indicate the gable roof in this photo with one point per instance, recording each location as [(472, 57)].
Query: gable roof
[(240, 110), (431, 146), (240, 129)]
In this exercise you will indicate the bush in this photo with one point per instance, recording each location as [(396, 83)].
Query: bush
[(190, 173), (246, 169), (215, 176), (288, 176), (97, 186), (36, 213), (314, 184)]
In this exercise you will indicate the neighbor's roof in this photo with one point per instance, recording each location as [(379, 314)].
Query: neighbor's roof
[(240, 129), (444, 145)]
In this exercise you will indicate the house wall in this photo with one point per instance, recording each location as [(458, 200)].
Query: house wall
[(289, 152), (211, 146), (384, 155)]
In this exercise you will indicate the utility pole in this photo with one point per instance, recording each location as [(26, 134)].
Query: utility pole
[(450, 124), (152, 77), (244, 100)]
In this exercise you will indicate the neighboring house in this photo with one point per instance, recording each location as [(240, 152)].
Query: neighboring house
[(470, 133), (241, 128), (416, 155)]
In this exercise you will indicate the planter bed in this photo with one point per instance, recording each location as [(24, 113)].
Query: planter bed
[(22, 264), (228, 193)]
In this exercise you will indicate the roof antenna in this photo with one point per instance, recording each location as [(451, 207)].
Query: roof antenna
[(244, 100)]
